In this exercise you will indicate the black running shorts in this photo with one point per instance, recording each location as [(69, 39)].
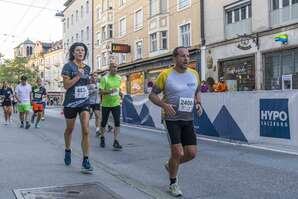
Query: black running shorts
[(71, 113), (181, 132), (95, 107)]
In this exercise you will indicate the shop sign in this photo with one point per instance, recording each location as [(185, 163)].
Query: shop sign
[(246, 42), (282, 38), (120, 48), (274, 118)]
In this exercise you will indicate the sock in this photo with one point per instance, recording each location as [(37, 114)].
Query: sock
[(173, 180), (85, 157)]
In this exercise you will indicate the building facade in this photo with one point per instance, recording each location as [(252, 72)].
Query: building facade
[(24, 49), (77, 26), (144, 34), (54, 62), (252, 44)]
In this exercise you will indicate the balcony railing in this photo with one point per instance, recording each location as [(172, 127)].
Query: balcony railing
[(239, 28), (284, 15)]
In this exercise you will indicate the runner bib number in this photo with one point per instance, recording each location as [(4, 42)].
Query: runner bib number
[(37, 95), (81, 92), (186, 104)]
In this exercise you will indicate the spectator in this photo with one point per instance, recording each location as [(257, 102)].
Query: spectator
[(221, 86), (204, 87)]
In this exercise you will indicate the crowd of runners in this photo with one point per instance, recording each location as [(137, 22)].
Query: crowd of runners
[(86, 96)]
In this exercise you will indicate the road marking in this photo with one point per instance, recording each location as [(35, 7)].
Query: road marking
[(219, 141)]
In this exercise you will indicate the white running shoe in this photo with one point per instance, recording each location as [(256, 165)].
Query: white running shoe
[(175, 190)]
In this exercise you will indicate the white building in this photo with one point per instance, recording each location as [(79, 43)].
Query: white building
[(241, 43), (77, 26)]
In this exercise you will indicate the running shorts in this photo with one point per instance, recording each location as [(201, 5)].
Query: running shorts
[(71, 113), (181, 132), (25, 107)]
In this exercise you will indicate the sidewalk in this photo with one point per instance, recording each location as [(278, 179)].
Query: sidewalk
[(29, 161)]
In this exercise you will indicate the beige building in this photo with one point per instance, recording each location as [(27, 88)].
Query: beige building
[(147, 32)]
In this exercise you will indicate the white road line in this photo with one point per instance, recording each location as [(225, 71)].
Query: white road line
[(220, 141)]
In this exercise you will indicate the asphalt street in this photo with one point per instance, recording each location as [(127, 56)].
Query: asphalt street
[(34, 158)]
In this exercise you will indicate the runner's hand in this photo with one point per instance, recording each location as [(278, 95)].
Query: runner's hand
[(168, 108), (81, 72), (199, 109)]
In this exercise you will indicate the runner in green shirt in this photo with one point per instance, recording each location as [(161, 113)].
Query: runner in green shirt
[(111, 96)]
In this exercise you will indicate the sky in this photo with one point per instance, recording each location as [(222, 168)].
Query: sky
[(33, 19)]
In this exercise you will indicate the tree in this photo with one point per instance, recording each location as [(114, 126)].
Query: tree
[(12, 70)]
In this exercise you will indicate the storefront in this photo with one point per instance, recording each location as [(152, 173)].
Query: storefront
[(281, 69), (239, 73), (136, 83), (142, 74)]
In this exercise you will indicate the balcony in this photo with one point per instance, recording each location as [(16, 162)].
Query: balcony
[(284, 16), (239, 28)]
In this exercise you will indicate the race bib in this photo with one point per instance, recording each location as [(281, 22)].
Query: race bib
[(115, 93), (81, 92), (186, 104), (37, 95)]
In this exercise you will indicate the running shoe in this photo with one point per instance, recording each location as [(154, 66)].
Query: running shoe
[(22, 125), (102, 142), (86, 167), (175, 190), (42, 119), (37, 126), (97, 133), (117, 146), (27, 125), (67, 158)]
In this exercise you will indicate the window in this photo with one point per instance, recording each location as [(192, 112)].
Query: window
[(98, 62), (82, 35), (122, 30), (87, 33), (72, 19), (138, 19), (183, 4), (122, 2), (77, 15), (82, 11), (103, 33), (87, 7), (98, 39), (275, 4), (67, 23), (77, 37), (163, 40), (185, 35), (98, 11), (64, 26), (104, 5), (110, 4), (294, 1), (122, 58), (104, 59), (285, 3), (163, 6), (238, 13), (110, 31), (72, 40), (153, 42), (153, 7), (139, 49)]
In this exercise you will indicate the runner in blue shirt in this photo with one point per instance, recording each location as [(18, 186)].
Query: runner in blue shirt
[(75, 80)]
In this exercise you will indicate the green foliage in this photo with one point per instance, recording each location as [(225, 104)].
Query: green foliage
[(12, 70)]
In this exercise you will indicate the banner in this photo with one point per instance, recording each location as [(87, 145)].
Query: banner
[(274, 118)]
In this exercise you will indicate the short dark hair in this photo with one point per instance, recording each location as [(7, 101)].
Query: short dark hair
[(73, 47), (175, 51), (24, 78)]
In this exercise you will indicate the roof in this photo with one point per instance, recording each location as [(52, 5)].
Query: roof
[(68, 2), (28, 41)]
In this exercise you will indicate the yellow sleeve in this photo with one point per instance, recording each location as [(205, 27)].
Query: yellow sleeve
[(160, 82), (197, 75)]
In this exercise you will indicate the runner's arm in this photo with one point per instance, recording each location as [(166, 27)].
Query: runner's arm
[(155, 99), (68, 82)]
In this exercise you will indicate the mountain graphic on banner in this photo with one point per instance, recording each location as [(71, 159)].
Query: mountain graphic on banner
[(204, 126), (145, 117), (130, 114), (226, 126)]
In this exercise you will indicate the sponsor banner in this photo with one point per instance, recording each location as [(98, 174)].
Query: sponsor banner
[(274, 118)]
